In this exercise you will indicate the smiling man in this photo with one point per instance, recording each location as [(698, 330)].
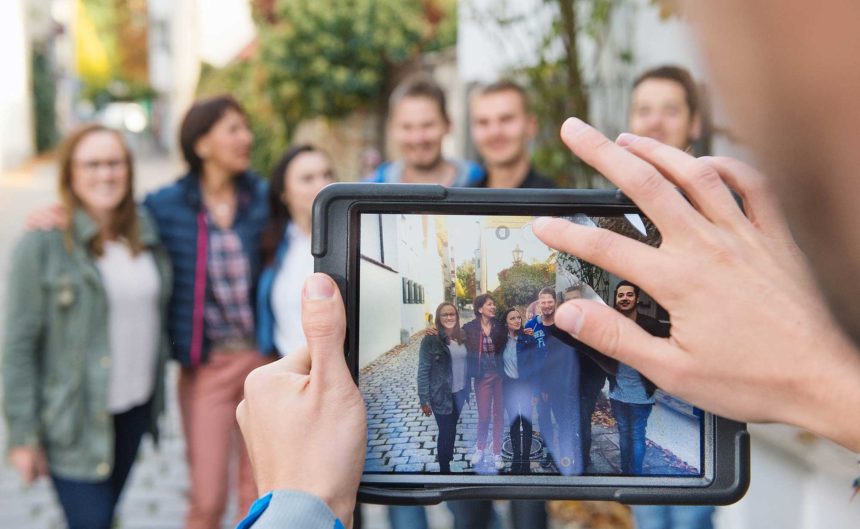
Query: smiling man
[(503, 125), (418, 123), (665, 106)]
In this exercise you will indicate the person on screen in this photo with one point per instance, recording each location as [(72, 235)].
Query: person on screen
[(631, 394), (442, 379), (418, 123), (521, 367), (485, 340), (559, 389), (297, 178), (592, 379)]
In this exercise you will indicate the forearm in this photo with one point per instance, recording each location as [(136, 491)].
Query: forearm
[(825, 385)]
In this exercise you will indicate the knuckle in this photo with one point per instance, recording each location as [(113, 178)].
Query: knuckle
[(649, 182), (604, 243), (703, 176), (610, 338), (255, 383), (320, 326)]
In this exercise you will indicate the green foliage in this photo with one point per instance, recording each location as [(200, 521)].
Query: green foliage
[(519, 285), (466, 277), (327, 58)]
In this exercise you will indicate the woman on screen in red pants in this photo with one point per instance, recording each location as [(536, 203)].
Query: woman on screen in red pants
[(485, 340)]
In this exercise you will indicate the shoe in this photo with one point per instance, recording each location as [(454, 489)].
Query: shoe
[(477, 457), (499, 462)]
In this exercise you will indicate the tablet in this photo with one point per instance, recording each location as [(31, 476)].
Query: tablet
[(471, 390)]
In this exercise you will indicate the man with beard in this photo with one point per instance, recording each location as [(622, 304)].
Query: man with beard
[(631, 395)]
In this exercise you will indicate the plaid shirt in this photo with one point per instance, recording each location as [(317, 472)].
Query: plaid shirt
[(487, 355), (228, 312)]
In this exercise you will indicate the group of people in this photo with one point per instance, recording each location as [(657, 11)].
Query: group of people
[(516, 365), (209, 271)]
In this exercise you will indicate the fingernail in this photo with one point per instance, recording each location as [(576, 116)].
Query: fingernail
[(572, 125), (319, 286), (625, 138), (570, 318)]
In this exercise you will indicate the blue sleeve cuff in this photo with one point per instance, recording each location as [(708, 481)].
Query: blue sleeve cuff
[(282, 509)]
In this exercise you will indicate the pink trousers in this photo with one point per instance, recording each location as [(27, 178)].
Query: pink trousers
[(488, 393), (208, 396)]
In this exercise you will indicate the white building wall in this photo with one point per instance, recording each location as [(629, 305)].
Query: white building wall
[(379, 309), (16, 106), (419, 260)]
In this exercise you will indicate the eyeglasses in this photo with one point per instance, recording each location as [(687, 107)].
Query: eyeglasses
[(92, 166)]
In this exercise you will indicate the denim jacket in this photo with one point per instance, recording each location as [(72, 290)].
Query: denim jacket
[(56, 353)]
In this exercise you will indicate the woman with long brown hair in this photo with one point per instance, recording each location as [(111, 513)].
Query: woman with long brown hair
[(442, 379), (298, 177), (86, 345)]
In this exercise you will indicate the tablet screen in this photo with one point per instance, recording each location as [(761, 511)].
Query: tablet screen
[(464, 372)]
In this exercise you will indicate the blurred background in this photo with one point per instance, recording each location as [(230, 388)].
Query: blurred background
[(322, 71)]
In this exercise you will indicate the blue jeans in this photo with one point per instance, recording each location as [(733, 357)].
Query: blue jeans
[(673, 516), (632, 420), (90, 505)]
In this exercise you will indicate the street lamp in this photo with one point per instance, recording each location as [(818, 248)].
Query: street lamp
[(518, 255)]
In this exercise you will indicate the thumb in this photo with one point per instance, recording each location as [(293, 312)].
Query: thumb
[(324, 325), (614, 335)]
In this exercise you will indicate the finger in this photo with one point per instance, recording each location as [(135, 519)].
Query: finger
[(701, 182), (620, 255), (759, 201), (638, 179), (298, 361), (616, 336), (324, 324)]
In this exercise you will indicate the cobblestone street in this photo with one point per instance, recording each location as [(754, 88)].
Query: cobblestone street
[(402, 439)]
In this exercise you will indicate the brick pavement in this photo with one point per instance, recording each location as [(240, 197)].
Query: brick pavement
[(402, 439)]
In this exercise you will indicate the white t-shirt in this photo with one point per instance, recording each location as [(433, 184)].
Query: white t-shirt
[(132, 287), (298, 265)]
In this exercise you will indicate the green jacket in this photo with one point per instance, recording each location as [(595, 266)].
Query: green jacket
[(56, 354)]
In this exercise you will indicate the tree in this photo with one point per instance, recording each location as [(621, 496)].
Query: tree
[(466, 279), (519, 285), (327, 58)]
